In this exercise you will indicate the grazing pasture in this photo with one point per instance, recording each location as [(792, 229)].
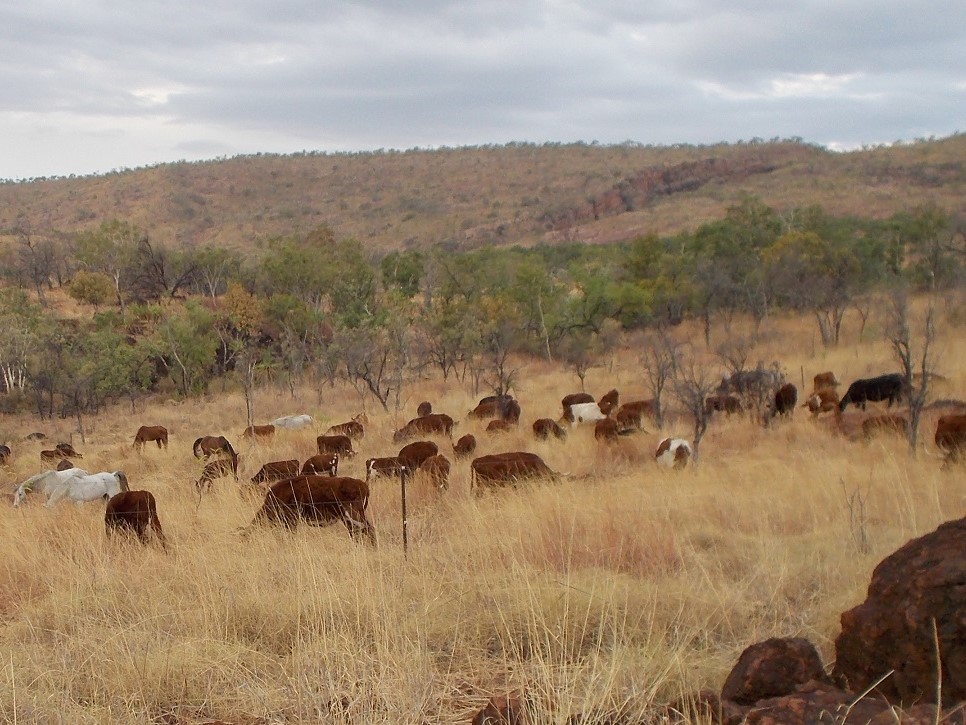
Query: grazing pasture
[(623, 583)]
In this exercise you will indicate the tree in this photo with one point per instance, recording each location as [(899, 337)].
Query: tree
[(691, 384), (915, 358), (403, 271), (660, 357), (110, 249), (187, 344), (91, 288)]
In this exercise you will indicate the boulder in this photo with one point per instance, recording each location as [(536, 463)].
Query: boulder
[(917, 597), (772, 668)]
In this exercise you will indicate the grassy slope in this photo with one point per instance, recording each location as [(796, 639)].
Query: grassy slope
[(623, 583), (467, 197)]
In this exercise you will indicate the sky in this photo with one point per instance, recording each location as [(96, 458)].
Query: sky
[(92, 86)]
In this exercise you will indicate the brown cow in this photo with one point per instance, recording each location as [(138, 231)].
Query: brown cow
[(65, 464), (134, 511), (722, 402), (157, 433), (825, 400), (502, 469), (437, 469), (951, 437), (885, 423), (465, 446), (60, 451), (276, 471), (489, 409), (424, 408), (413, 454), (321, 463), (353, 428), (206, 446), (388, 466), (432, 424), (259, 431), (511, 411), (340, 444), (499, 426), (824, 380), (318, 500), (574, 399), (606, 430), (543, 428), (218, 468), (608, 401), (783, 403), (631, 415)]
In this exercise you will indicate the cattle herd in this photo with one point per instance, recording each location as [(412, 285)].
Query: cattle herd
[(313, 492)]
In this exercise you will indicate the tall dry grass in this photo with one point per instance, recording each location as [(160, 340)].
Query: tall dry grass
[(623, 585)]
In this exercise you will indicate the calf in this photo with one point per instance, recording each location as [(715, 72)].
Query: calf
[(673, 453), (543, 428), (276, 471), (340, 444), (631, 415), (951, 437), (825, 400), (465, 446), (431, 424), (499, 426), (387, 466), (606, 430), (353, 429), (424, 408), (884, 387), (318, 500), (259, 431), (783, 403), (321, 463), (501, 469), (437, 469), (134, 511), (722, 403), (218, 468), (412, 455)]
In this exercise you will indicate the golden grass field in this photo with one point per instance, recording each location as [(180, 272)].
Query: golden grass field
[(624, 585)]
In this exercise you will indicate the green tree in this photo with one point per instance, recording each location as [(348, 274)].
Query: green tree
[(110, 249), (187, 343), (403, 271), (91, 288)]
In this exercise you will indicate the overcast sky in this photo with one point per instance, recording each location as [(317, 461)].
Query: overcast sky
[(88, 86)]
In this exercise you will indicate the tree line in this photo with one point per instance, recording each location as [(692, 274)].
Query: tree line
[(180, 320)]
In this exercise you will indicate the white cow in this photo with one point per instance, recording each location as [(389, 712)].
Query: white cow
[(584, 413), (293, 422), (673, 453)]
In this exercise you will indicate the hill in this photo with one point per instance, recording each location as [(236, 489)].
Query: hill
[(464, 198)]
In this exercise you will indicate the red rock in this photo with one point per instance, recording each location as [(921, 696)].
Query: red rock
[(772, 668)]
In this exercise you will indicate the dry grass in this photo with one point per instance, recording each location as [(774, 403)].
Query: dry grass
[(622, 585)]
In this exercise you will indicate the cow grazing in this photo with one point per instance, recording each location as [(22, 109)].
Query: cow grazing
[(412, 455), (146, 433), (502, 469), (432, 424), (321, 463), (499, 426), (609, 402), (785, 399), (884, 387), (465, 446), (543, 428), (885, 424), (484, 410), (4, 454), (631, 414), (59, 452), (511, 412), (579, 413), (673, 453), (951, 437), (207, 446), (340, 444), (134, 512), (386, 466), (424, 408), (318, 500), (259, 431), (276, 471), (722, 403), (606, 430), (36, 436), (825, 400), (218, 468), (352, 428), (824, 380), (750, 382), (437, 469), (65, 464)]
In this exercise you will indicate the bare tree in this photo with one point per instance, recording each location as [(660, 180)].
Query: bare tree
[(691, 384), (375, 360), (659, 358), (916, 358)]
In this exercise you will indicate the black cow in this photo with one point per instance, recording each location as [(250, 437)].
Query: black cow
[(885, 387)]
